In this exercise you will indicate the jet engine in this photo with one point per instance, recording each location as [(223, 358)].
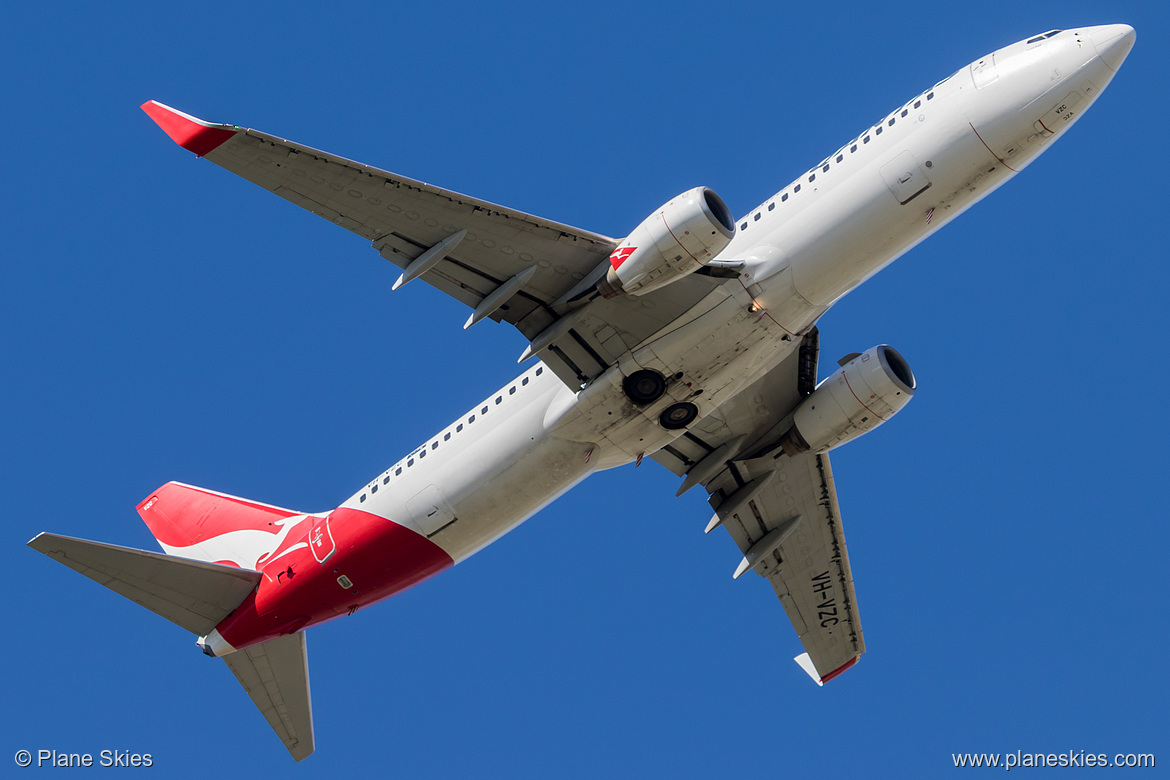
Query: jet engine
[(677, 239), (861, 395)]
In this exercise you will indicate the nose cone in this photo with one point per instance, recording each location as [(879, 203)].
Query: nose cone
[(1113, 42)]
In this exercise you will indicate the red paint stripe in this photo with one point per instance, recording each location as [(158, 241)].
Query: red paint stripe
[(840, 669), (672, 235), (1041, 121), (194, 135), (993, 154), (871, 411)]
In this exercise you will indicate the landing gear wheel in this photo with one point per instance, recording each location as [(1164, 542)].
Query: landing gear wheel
[(644, 387), (678, 416)]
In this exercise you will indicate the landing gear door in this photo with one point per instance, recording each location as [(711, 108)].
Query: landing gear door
[(321, 540), (905, 177)]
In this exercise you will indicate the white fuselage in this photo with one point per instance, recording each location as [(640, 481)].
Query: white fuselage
[(803, 249)]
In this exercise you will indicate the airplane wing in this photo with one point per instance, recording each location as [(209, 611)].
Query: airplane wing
[(504, 264), (780, 510)]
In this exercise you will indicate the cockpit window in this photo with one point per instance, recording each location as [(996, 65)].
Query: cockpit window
[(1048, 34)]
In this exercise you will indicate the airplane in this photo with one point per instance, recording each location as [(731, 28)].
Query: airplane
[(692, 341)]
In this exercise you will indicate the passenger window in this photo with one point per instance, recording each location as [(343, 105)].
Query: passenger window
[(891, 122), (422, 454), (841, 157), (498, 399), (398, 471), (459, 428), (434, 445), (374, 488), (905, 111), (878, 131), (483, 410), (812, 177), (363, 498), (471, 419), (512, 390), (784, 197), (796, 188), (409, 462), (386, 480), (525, 381), (540, 371), (865, 140), (757, 217), (930, 95), (917, 103), (771, 206), (853, 148), (826, 168), (743, 226), (447, 436)]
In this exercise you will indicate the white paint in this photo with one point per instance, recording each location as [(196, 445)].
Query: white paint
[(956, 143)]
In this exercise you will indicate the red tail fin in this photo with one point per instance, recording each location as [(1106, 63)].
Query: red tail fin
[(196, 523)]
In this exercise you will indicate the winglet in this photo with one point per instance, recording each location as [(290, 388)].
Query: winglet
[(192, 134), (807, 664)]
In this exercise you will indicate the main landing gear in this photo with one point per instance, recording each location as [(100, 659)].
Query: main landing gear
[(678, 416), (644, 387)]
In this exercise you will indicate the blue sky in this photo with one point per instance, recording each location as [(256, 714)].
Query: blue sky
[(165, 320)]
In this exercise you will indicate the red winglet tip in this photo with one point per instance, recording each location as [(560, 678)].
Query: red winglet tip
[(840, 669), (192, 134)]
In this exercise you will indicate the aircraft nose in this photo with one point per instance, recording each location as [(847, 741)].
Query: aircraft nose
[(1113, 42)]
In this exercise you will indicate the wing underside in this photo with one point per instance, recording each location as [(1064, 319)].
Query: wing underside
[(809, 567), (504, 264), (780, 510)]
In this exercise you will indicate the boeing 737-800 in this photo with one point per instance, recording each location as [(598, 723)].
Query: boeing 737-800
[(691, 341)]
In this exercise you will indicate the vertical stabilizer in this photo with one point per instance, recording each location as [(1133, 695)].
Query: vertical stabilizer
[(198, 523)]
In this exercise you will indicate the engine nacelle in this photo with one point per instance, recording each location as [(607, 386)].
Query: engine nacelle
[(861, 395), (678, 239)]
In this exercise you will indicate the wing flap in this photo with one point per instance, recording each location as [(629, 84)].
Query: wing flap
[(275, 675)]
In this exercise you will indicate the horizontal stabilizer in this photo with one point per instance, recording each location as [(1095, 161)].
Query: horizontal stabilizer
[(276, 675), (191, 594)]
